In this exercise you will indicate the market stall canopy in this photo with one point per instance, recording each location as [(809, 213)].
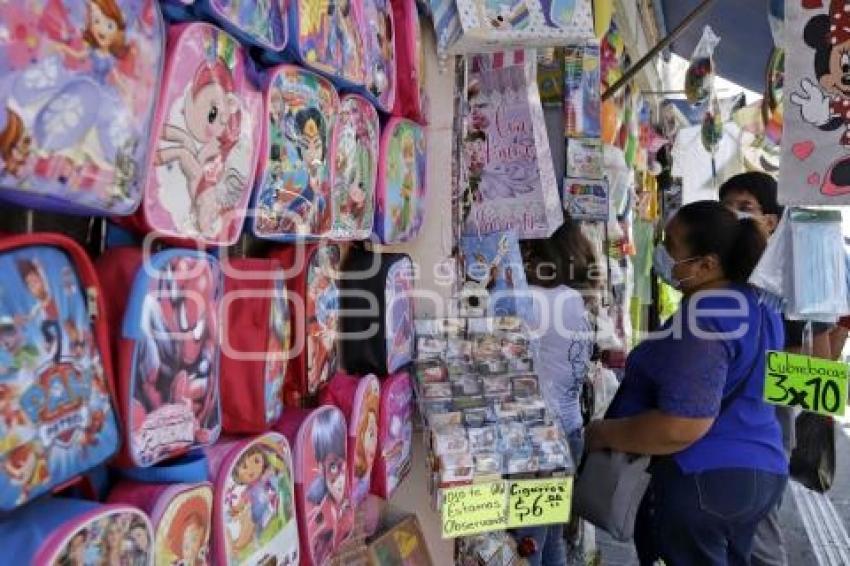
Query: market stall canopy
[(744, 31)]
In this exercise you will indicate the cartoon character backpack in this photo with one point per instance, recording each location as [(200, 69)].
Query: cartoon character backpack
[(260, 25), (203, 155), (56, 413), (313, 272), (254, 503), (57, 530), (411, 100), (391, 284), (401, 182), (357, 144), (359, 399), (181, 515), (178, 10), (327, 37), (380, 55), (255, 345), (296, 170), (319, 440), (165, 312), (395, 435), (77, 97)]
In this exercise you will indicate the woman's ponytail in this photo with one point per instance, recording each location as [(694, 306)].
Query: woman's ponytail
[(750, 243)]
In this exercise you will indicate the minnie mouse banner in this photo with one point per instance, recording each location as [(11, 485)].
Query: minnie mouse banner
[(815, 166)]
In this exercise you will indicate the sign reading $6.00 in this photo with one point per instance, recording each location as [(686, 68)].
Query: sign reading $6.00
[(812, 384)]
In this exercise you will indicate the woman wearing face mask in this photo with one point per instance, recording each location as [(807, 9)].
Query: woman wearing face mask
[(692, 399)]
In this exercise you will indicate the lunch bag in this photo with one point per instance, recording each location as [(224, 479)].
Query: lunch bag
[(319, 440), (295, 176), (260, 25), (410, 100), (56, 414), (56, 530), (357, 144), (254, 504), (165, 312), (380, 53), (395, 435), (401, 182), (390, 348), (312, 272), (203, 156), (255, 345), (359, 399), (75, 105)]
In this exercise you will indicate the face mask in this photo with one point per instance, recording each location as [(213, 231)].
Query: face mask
[(663, 263), (743, 215)]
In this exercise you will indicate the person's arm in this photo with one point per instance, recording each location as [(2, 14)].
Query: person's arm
[(821, 346), (652, 433), (837, 339)]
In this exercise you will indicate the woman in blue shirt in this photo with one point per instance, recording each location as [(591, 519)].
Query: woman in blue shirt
[(692, 397)]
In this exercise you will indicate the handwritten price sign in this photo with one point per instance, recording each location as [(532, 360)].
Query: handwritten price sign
[(812, 384), (539, 502)]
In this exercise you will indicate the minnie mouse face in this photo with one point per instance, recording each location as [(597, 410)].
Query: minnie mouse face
[(837, 80), (829, 36)]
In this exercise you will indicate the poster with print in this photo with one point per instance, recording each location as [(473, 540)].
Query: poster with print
[(586, 199)]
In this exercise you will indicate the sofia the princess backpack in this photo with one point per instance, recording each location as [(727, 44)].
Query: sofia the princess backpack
[(260, 26), (77, 95), (319, 440), (206, 142), (395, 435), (164, 308), (56, 404), (295, 172), (254, 517)]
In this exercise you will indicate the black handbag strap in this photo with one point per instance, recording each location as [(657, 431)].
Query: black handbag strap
[(739, 388)]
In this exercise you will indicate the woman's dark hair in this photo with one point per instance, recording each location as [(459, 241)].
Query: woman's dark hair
[(712, 229), (565, 258)]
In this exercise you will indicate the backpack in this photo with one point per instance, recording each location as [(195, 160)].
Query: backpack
[(380, 53), (391, 347), (401, 182), (199, 182), (312, 274), (395, 435), (359, 400), (295, 172), (178, 10), (74, 117), (260, 26), (255, 344), (319, 440), (167, 350), (254, 503), (56, 530), (357, 144), (56, 413), (411, 99)]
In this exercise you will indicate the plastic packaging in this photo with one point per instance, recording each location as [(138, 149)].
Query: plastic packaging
[(700, 75), (770, 273)]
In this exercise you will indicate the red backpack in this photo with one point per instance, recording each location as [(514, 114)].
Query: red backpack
[(411, 100)]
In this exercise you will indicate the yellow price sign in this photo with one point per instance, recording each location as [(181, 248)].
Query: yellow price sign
[(539, 502), (472, 509), (812, 384)]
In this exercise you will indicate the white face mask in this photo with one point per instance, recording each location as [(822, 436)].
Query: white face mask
[(663, 263), (743, 215)]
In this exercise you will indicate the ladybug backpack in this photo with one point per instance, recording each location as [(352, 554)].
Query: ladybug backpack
[(391, 348), (260, 26), (395, 435), (76, 106), (254, 501), (56, 403), (165, 312), (296, 173)]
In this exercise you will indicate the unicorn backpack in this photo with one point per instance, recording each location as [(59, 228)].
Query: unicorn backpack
[(401, 182), (359, 399), (76, 102), (410, 100), (395, 435), (296, 170), (203, 156), (357, 143), (56, 530), (56, 414), (319, 440), (380, 55), (165, 312), (260, 26), (254, 504)]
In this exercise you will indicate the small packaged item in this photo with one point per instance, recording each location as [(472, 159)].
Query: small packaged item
[(488, 348), (437, 390), (512, 436), (432, 371), (525, 386), (445, 420), (533, 411), (553, 457), (541, 435), (493, 366), (469, 402), (475, 417), (466, 385), (482, 439), (459, 349), (459, 366), (436, 406), (456, 468), (522, 461), (449, 441), (515, 346), (428, 347), (699, 77), (487, 463), (508, 412), (497, 385)]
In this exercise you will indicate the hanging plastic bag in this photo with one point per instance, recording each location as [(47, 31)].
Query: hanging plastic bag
[(700, 75), (712, 127), (769, 276)]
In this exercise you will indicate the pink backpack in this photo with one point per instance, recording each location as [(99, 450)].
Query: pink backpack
[(295, 176), (411, 100), (203, 156), (357, 144), (380, 53), (258, 25), (395, 435), (254, 504), (75, 109), (360, 400), (319, 438), (401, 182), (165, 312)]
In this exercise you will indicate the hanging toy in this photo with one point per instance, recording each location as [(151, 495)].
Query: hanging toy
[(700, 75), (712, 131), (603, 11)]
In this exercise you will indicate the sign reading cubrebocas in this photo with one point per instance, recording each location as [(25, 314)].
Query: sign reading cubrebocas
[(812, 384)]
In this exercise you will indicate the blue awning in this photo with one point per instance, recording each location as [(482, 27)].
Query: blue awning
[(745, 38)]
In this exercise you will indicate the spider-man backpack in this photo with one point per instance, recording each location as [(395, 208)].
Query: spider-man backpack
[(410, 100), (260, 26), (165, 311), (395, 435), (76, 103), (56, 399)]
